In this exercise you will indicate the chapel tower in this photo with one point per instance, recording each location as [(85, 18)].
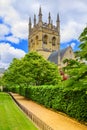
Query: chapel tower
[(44, 37)]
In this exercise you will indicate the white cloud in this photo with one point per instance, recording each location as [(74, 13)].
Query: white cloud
[(7, 53), (6, 7), (73, 15), (15, 13), (4, 30), (20, 29), (12, 17), (12, 39), (73, 45), (70, 31)]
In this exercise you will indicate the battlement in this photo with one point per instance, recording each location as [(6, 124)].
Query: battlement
[(44, 37), (44, 26)]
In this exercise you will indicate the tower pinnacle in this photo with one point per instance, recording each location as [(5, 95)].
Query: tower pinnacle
[(58, 19), (34, 19), (43, 36), (49, 18), (29, 24), (58, 24), (40, 15)]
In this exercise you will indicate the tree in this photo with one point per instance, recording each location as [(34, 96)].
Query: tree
[(83, 55), (72, 68), (77, 70), (83, 45), (11, 76), (1, 82), (33, 69)]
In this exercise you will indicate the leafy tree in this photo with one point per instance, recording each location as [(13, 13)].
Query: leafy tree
[(77, 70), (10, 77), (83, 45), (83, 55), (72, 68), (32, 69), (0, 81), (77, 55)]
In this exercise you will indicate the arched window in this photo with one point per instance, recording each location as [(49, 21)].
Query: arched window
[(70, 51), (45, 37), (36, 40), (31, 40), (53, 41), (31, 43)]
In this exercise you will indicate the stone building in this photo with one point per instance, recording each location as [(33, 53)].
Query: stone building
[(45, 39), (66, 53)]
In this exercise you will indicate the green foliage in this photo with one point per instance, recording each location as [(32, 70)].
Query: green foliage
[(42, 71), (70, 96), (33, 69), (77, 70), (67, 99), (77, 55), (83, 45), (72, 68), (12, 74), (76, 85), (0, 81)]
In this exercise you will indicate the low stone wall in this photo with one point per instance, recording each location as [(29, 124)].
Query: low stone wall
[(41, 125)]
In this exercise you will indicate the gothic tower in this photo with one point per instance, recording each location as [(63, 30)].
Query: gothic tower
[(44, 37)]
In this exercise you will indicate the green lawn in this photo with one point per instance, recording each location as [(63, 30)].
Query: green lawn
[(11, 117)]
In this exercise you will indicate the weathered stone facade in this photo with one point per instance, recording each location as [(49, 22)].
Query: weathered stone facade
[(69, 54), (66, 53), (44, 37)]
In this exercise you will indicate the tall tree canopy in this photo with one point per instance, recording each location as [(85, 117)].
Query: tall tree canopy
[(32, 69), (77, 70), (83, 45)]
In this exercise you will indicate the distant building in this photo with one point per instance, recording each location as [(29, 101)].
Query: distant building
[(45, 39)]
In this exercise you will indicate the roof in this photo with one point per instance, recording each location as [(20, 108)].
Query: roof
[(54, 56)]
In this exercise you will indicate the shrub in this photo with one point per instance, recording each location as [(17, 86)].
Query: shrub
[(72, 101)]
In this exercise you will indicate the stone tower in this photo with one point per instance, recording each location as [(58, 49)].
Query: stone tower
[(44, 37)]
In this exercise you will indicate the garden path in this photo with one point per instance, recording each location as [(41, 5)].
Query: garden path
[(57, 121)]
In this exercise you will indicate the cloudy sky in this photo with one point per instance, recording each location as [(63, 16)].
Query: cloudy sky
[(14, 16)]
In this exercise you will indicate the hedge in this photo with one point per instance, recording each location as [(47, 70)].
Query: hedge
[(72, 101)]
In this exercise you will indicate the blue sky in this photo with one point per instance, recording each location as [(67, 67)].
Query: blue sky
[(14, 16)]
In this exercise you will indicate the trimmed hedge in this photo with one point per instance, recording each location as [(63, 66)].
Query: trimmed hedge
[(72, 101)]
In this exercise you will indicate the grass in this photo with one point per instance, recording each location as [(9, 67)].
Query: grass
[(11, 117)]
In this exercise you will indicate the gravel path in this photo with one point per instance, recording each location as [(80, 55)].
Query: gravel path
[(57, 121)]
